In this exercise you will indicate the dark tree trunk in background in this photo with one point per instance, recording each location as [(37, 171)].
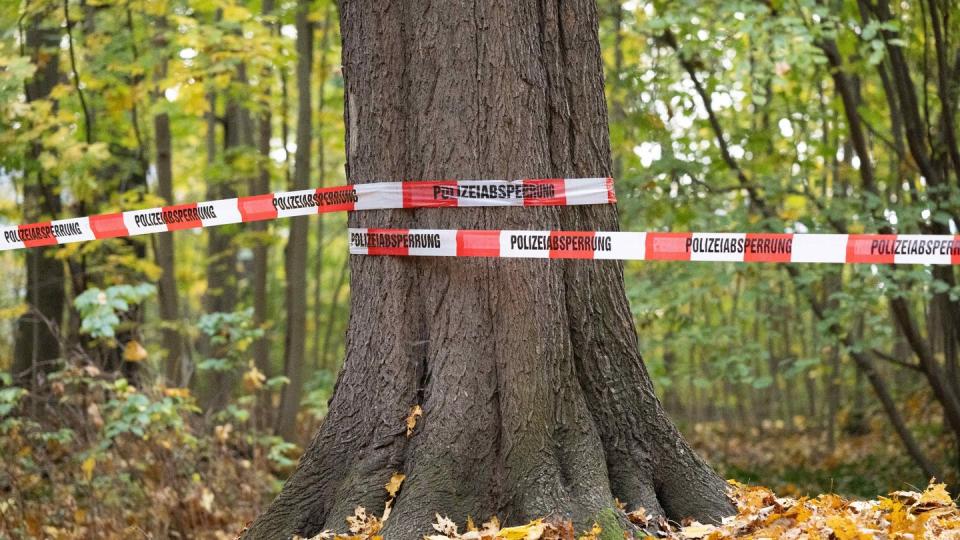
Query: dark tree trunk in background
[(261, 250), (535, 399), (36, 347), (296, 255), (222, 274), (164, 250)]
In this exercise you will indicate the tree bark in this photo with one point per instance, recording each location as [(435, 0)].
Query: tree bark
[(35, 345), (535, 399)]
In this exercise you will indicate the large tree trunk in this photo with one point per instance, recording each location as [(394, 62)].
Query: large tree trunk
[(535, 399)]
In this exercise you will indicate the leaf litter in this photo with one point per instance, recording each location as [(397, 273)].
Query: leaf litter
[(761, 514)]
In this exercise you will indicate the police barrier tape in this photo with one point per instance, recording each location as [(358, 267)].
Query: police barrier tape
[(670, 246), (373, 196)]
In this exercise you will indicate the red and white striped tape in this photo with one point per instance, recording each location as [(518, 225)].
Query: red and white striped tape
[(657, 246), (374, 196)]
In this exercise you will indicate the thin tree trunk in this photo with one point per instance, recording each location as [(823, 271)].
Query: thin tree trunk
[(164, 250), (259, 184), (321, 173), (296, 255), (535, 400), (36, 348)]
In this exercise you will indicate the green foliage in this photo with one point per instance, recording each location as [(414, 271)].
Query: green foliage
[(230, 333), (101, 309)]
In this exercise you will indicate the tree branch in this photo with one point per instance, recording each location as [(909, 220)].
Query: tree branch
[(755, 199), (896, 361), (76, 75)]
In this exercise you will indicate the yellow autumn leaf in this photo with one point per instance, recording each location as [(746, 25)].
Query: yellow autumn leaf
[(530, 531), (134, 352), (253, 379), (896, 514), (934, 496), (393, 486), (87, 468), (593, 533), (846, 529), (13, 312), (415, 412), (235, 13), (177, 392), (794, 207)]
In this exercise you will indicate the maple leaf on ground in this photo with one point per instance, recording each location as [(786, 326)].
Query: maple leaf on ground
[(935, 496), (639, 517), (362, 524), (445, 526)]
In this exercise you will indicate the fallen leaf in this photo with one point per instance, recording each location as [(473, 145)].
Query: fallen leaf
[(935, 496), (393, 485), (445, 526), (697, 530), (639, 517), (415, 413), (530, 531)]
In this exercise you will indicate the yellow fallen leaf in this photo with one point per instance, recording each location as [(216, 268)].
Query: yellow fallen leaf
[(530, 531), (934, 496), (415, 413), (593, 533), (846, 529), (393, 485), (87, 468), (134, 352)]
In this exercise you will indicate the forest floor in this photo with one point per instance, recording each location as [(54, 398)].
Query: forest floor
[(97, 457)]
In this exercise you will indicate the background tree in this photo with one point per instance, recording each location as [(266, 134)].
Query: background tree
[(36, 345)]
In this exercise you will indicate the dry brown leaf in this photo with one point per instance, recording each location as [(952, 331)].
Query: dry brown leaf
[(697, 530), (639, 517)]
